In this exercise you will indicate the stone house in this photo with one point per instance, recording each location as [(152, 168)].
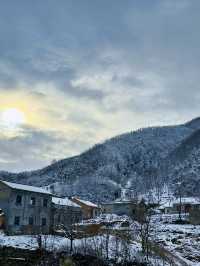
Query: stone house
[(27, 209), (89, 209), (65, 212)]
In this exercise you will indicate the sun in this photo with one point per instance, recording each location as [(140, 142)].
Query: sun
[(12, 118)]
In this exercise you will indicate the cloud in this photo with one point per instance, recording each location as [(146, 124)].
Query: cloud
[(90, 70), (34, 149)]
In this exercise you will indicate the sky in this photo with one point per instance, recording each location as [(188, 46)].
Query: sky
[(74, 73)]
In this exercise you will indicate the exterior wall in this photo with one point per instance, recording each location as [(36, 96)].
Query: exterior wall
[(87, 212), (65, 215), (107, 208), (96, 212), (25, 211)]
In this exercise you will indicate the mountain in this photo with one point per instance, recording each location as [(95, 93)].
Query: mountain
[(138, 160)]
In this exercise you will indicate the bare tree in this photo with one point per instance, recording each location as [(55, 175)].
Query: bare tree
[(143, 216), (117, 245), (107, 244)]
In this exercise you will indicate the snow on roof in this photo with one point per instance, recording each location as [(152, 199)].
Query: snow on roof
[(25, 187), (86, 202), (64, 202)]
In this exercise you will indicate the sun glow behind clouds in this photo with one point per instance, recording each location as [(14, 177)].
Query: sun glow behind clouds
[(12, 118)]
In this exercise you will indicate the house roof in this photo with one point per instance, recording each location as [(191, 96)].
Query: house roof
[(86, 202), (64, 202), (25, 187)]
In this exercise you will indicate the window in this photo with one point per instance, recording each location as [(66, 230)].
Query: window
[(32, 201), (30, 221), (45, 202), (19, 200), (17, 220), (44, 221)]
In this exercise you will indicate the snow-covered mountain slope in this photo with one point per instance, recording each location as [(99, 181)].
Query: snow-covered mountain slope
[(184, 165), (130, 160)]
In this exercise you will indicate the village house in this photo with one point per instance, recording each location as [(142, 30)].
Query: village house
[(89, 209), (65, 212), (120, 207), (176, 205), (27, 209)]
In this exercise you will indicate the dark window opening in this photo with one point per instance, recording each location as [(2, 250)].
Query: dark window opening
[(44, 221), (18, 200), (45, 202), (32, 201), (17, 220), (30, 221)]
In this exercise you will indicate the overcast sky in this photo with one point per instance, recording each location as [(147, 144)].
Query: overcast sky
[(80, 72)]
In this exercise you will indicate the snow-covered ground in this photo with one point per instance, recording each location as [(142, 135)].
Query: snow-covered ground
[(57, 243), (181, 240), (117, 249)]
